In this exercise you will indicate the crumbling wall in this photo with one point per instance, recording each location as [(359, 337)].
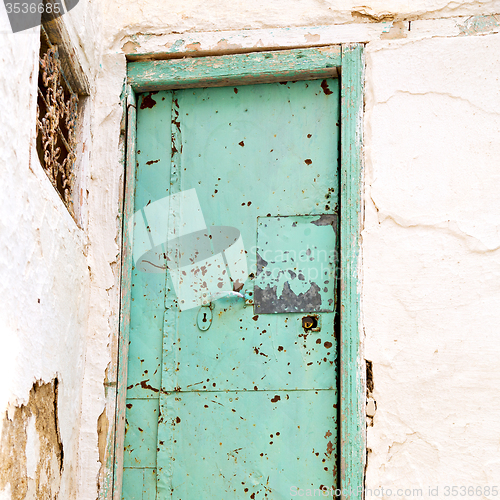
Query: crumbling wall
[(146, 16), (431, 263), (31, 451), (44, 289)]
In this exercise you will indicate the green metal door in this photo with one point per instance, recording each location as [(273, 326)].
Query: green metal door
[(232, 372)]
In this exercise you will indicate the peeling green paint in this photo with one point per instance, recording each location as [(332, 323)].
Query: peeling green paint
[(194, 72), (352, 426), (238, 69), (177, 45), (479, 24)]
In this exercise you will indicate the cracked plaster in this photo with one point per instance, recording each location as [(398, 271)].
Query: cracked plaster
[(196, 15), (431, 260)]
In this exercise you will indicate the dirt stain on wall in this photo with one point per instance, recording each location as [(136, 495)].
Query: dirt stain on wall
[(31, 451), (102, 434)]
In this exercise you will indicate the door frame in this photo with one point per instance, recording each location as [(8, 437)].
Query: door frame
[(345, 61)]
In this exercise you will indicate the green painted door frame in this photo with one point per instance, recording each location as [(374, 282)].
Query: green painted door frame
[(261, 67)]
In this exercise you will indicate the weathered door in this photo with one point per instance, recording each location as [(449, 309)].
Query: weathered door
[(232, 389)]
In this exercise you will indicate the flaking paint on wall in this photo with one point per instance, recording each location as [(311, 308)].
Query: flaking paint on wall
[(431, 264), (102, 433), (43, 256), (31, 452), (145, 16)]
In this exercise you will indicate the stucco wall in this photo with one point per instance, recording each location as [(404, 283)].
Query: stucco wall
[(431, 261), (430, 286), (212, 15)]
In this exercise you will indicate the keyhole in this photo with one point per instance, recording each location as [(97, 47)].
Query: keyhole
[(204, 318)]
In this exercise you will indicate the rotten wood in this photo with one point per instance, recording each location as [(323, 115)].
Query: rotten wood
[(73, 71), (126, 277), (240, 69), (352, 428)]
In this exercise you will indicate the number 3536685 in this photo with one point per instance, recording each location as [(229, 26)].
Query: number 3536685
[(33, 7)]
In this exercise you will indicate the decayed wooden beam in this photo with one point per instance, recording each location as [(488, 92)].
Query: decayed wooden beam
[(239, 69)]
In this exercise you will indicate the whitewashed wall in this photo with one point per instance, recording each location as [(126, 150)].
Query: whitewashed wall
[(432, 261), (47, 275), (431, 264)]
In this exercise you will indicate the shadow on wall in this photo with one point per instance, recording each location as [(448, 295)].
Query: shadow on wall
[(31, 452)]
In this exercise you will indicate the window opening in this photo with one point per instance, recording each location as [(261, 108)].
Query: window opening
[(57, 113)]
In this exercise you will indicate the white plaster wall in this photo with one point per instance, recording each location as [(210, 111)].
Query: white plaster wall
[(105, 204), (45, 285), (431, 265), (72, 333), (104, 186), (170, 16)]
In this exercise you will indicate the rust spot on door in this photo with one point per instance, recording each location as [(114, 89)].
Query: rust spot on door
[(325, 88), (147, 101), (329, 448), (145, 385)]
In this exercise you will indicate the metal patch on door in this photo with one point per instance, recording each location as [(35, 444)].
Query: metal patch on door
[(296, 262)]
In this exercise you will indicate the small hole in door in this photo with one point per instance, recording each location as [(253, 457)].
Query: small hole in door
[(310, 323)]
